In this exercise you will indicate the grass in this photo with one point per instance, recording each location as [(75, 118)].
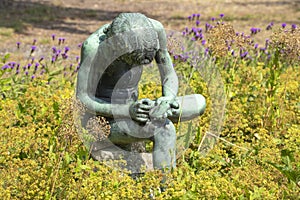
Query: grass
[(6, 32)]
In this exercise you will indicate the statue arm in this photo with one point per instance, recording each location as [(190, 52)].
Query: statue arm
[(87, 80), (168, 75)]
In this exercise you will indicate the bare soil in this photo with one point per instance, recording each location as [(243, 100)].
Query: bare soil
[(77, 19)]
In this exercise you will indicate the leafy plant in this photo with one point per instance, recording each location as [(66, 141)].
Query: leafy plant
[(288, 167)]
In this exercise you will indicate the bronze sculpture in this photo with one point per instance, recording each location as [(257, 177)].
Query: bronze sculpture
[(112, 61)]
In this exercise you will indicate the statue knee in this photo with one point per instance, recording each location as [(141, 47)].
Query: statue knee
[(171, 129), (167, 133), (201, 103), (192, 106)]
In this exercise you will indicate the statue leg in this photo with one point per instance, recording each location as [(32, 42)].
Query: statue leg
[(125, 131), (191, 106), (163, 136), (164, 142)]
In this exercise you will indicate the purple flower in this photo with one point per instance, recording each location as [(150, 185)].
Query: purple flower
[(221, 15), (194, 29), (198, 16), (243, 54), (36, 66), (26, 73), (64, 55), (203, 42), (255, 46), (32, 77), (213, 19), (190, 18), (267, 42), (207, 26), (4, 67), (29, 65), (183, 33), (53, 36), (199, 36), (12, 64), (56, 56), (54, 49), (283, 25), (79, 45), (42, 72), (34, 41), (17, 72), (18, 44), (206, 51), (262, 49), (77, 58), (41, 59), (254, 30), (33, 48), (197, 22), (175, 57), (67, 49), (294, 26), (269, 27), (32, 59), (53, 59)]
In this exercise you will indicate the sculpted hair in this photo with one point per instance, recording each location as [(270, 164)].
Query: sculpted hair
[(127, 21)]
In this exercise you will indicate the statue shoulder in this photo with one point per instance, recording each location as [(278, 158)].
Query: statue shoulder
[(159, 28), (157, 25), (93, 41)]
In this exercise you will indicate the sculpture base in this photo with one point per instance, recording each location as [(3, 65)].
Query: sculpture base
[(113, 156)]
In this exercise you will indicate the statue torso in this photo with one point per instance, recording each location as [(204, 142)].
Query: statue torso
[(119, 83)]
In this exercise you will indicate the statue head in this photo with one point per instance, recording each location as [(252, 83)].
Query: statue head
[(143, 33)]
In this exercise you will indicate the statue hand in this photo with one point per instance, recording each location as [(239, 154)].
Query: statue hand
[(164, 107), (175, 109), (139, 110)]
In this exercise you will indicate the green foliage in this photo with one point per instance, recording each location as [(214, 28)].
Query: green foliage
[(42, 157), (287, 168)]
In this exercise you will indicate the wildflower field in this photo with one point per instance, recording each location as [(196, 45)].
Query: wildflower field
[(256, 155)]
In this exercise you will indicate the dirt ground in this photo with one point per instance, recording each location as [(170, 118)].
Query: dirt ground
[(76, 19)]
